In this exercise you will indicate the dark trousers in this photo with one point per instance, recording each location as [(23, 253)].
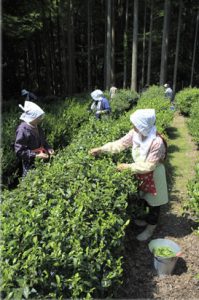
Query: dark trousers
[(26, 167), (153, 215)]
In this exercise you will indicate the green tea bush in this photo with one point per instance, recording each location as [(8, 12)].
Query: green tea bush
[(192, 205), (185, 99), (193, 122), (9, 163), (154, 98), (122, 101), (63, 226)]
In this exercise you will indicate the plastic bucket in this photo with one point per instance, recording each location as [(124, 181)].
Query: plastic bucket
[(165, 265)]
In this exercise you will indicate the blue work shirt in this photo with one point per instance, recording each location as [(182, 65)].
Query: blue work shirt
[(105, 104)]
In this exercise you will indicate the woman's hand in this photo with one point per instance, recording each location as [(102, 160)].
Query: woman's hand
[(42, 155), (122, 167), (51, 151), (95, 151)]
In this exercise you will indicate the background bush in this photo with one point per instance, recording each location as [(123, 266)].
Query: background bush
[(185, 99), (123, 101), (192, 205), (193, 121)]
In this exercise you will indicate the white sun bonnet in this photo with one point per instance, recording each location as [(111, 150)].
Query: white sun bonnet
[(144, 121), (31, 112), (97, 95)]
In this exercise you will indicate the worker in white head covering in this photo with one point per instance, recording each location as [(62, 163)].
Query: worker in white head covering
[(168, 92), (28, 96), (113, 91), (31, 112), (30, 141), (100, 105), (148, 152), (144, 122)]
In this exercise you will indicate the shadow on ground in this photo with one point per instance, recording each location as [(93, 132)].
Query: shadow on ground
[(173, 133)]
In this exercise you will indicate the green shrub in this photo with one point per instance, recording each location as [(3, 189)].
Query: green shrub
[(193, 122), (122, 101), (192, 205), (154, 98), (63, 226), (185, 99)]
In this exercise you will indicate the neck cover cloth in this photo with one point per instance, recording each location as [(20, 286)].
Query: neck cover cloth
[(144, 121), (31, 112)]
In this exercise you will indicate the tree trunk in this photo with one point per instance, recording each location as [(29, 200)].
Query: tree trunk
[(108, 67), (46, 50), (194, 50), (165, 39), (71, 50), (134, 47), (125, 41), (35, 64), (62, 10), (52, 55), (143, 47), (113, 42), (59, 57), (177, 46), (150, 46), (89, 43)]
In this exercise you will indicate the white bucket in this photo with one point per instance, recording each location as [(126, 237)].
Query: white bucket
[(165, 265)]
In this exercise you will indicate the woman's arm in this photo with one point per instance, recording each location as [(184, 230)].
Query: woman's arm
[(116, 146), (21, 146), (138, 167), (156, 154)]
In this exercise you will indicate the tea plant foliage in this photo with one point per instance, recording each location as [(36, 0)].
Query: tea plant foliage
[(63, 226)]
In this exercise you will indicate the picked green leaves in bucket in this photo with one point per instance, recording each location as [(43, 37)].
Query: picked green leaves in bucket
[(163, 252)]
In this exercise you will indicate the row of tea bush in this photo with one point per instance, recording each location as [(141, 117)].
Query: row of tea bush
[(63, 226)]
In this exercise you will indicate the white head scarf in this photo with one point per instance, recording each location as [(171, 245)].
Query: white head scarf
[(144, 121), (97, 95), (31, 111), (24, 92)]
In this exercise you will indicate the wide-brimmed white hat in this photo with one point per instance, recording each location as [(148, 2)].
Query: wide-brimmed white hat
[(97, 95), (31, 111)]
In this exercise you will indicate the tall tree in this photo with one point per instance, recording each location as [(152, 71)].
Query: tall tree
[(177, 46), (194, 49), (113, 42), (125, 44), (71, 49), (134, 47), (46, 50), (108, 65), (148, 81), (89, 42), (143, 46), (165, 41), (62, 11)]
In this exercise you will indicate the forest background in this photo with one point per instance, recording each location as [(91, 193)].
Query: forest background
[(64, 47)]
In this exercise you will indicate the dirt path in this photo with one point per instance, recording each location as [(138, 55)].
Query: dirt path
[(141, 280)]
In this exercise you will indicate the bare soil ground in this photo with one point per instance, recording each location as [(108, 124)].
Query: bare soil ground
[(140, 278)]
